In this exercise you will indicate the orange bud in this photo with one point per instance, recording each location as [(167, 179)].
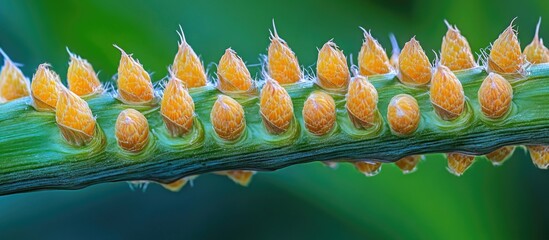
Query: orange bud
[(227, 118), (539, 155), (458, 163), (233, 73), (177, 108), (319, 113), (134, 83), (501, 154), (536, 52), (187, 66), (408, 164), (372, 58), (282, 62), (403, 114), (276, 107), (81, 77), (505, 55), (331, 67), (455, 51), (361, 102), (368, 168), (132, 130), (241, 177), (495, 95), (177, 185), (446, 93), (45, 88), (13, 84), (74, 118), (415, 68)]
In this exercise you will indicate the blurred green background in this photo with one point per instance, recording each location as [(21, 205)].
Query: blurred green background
[(308, 201)]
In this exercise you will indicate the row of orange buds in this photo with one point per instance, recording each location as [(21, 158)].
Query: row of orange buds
[(412, 67)]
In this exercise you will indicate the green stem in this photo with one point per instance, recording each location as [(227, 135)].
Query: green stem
[(33, 154)]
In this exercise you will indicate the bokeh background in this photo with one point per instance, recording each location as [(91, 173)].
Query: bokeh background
[(308, 201)]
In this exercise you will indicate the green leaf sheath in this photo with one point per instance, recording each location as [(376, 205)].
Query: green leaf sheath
[(34, 155)]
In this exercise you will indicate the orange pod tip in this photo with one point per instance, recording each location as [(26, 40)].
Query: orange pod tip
[(403, 114), (372, 58), (187, 65), (455, 51), (331, 67), (395, 52), (408, 164), (495, 96), (13, 84), (134, 83), (319, 113), (177, 108), (276, 107), (539, 155), (81, 77), (177, 185), (132, 130), (536, 52), (368, 168), (414, 66), (362, 101), (500, 155), (458, 163), (282, 63), (74, 118), (505, 54), (228, 118), (45, 88), (233, 74), (446, 93), (241, 177)]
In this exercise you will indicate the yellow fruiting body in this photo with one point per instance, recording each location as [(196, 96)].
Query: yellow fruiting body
[(134, 83), (331, 67), (458, 163), (233, 74), (227, 117), (414, 66), (74, 118), (187, 65), (506, 55), (13, 84), (495, 96), (455, 52), (536, 52), (81, 77), (276, 107), (45, 88), (372, 58), (501, 154), (408, 164), (361, 102), (132, 130), (282, 63), (177, 108), (319, 113), (539, 155), (403, 114), (446, 93), (241, 177), (368, 168)]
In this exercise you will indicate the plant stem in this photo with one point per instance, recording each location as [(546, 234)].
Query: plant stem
[(34, 156)]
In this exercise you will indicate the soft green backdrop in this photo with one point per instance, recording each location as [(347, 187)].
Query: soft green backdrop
[(308, 201)]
